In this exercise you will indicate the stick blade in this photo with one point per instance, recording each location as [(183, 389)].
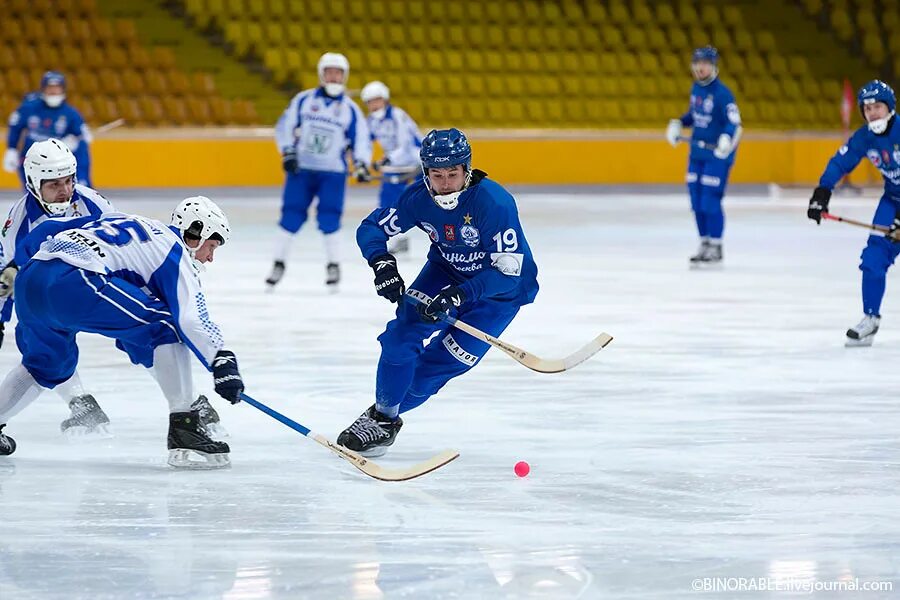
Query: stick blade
[(376, 471), (564, 364)]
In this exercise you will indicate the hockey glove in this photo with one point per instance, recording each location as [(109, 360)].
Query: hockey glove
[(361, 172), (226, 378), (388, 282), (11, 160), (380, 164), (893, 233), (8, 279), (673, 131), (289, 160), (2, 331), (448, 299), (724, 146), (818, 204)]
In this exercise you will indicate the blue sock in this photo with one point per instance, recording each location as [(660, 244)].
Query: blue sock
[(873, 286), (715, 224), (412, 401), (391, 384), (701, 224)]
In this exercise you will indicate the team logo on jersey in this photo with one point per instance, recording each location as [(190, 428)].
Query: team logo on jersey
[(450, 233), (314, 108), (896, 155), (34, 122), (885, 157), (874, 157), (470, 235), (6, 227), (708, 104), (431, 231), (61, 124)]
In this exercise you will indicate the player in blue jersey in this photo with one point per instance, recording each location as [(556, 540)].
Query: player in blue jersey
[(43, 116), (399, 137), (135, 280), (879, 141), (479, 269), (715, 120), (313, 135)]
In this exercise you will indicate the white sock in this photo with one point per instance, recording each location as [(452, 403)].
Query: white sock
[(18, 390), (283, 241), (172, 371), (71, 388), (332, 247), (715, 241)]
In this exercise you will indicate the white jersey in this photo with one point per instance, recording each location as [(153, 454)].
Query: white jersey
[(398, 135), (321, 129), (27, 213), (151, 255)]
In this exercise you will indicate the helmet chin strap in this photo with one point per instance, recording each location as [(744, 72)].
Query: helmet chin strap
[(879, 126), (334, 89)]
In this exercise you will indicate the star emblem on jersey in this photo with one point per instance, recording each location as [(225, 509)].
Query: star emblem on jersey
[(467, 219)]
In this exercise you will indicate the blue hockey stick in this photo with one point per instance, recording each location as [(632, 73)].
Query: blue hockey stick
[(360, 462)]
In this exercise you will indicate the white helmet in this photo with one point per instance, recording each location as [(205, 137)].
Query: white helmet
[(337, 61), (199, 218), (373, 90), (50, 159)]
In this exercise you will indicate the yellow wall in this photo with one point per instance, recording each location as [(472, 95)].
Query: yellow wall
[(230, 158)]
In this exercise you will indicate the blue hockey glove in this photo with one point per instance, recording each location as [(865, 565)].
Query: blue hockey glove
[(226, 377), (818, 204), (446, 301), (289, 160), (388, 282)]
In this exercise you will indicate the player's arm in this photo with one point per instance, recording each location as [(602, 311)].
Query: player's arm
[(409, 136), (74, 130), (285, 136), (98, 204), (673, 131), (372, 236), (16, 125), (842, 163), (360, 144), (732, 129)]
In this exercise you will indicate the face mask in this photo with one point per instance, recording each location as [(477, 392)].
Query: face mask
[(879, 126), (379, 114), (56, 209), (53, 100), (447, 201), (334, 89)]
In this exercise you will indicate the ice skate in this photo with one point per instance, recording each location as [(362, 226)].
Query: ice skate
[(209, 418), (863, 333), (332, 276), (87, 419), (276, 274), (7, 444), (190, 447), (701, 251), (709, 258), (371, 434)]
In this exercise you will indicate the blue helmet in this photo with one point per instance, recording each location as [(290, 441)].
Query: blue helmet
[(53, 78), (445, 148), (705, 53), (876, 91)]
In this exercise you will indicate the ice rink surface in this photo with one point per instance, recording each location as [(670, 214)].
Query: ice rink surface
[(726, 432)]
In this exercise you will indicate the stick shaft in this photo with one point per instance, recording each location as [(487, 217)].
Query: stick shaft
[(862, 224)]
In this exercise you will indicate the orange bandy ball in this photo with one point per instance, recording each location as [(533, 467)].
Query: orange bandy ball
[(522, 469)]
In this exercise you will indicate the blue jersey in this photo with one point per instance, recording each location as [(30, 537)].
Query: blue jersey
[(40, 122), (712, 112), (321, 129), (398, 135), (882, 150), (480, 243)]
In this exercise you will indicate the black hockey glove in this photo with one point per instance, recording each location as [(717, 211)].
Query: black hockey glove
[(2, 331), (893, 233), (388, 282), (818, 204), (226, 378), (380, 164), (361, 172), (446, 301), (289, 160)]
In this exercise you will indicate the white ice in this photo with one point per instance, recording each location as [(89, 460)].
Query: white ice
[(726, 432)]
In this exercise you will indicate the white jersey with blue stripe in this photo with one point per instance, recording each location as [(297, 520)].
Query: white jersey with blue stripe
[(150, 255), (321, 129), (398, 135)]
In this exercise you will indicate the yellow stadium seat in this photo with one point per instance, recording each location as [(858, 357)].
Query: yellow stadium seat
[(474, 60), (687, 13), (132, 82), (721, 39), (656, 39), (810, 87), (574, 86), (477, 85), (831, 90), (618, 13), (612, 37), (609, 63), (590, 38), (648, 63), (731, 16), (873, 48), (495, 86), (590, 87), (672, 63), (665, 15), (743, 41), (756, 65), (531, 61), (629, 87), (641, 14), (635, 37), (494, 12), (596, 13), (493, 62), (552, 37), (512, 85), (778, 65), (512, 61), (552, 13), (552, 61), (516, 37), (590, 63), (791, 89), (765, 41), (710, 16), (678, 39)]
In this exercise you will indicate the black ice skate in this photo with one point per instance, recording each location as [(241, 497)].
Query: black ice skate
[(332, 276), (863, 333), (276, 274), (190, 447), (710, 257), (371, 434), (209, 418), (87, 419), (7, 444), (701, 251)]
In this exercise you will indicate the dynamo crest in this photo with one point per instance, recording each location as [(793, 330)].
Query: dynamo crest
[(470, 235)]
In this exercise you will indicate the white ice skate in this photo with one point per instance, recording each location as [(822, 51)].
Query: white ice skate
[(863, 333), (87, 421), (708, 257)]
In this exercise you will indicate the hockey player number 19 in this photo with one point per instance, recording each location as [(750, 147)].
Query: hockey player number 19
[(507, 241), (118, 232), (389, 222)]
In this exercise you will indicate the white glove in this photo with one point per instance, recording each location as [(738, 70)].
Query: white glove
[(11, 160), (71, 141), (723, 147), (8, 280), (673, 131)]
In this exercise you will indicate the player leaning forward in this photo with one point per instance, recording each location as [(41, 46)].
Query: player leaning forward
[(479, 269), (879, 140), (136, 280)]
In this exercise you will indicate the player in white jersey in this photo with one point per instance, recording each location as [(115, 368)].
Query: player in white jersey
[(313, 135), (135, 280), (401, 141)]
